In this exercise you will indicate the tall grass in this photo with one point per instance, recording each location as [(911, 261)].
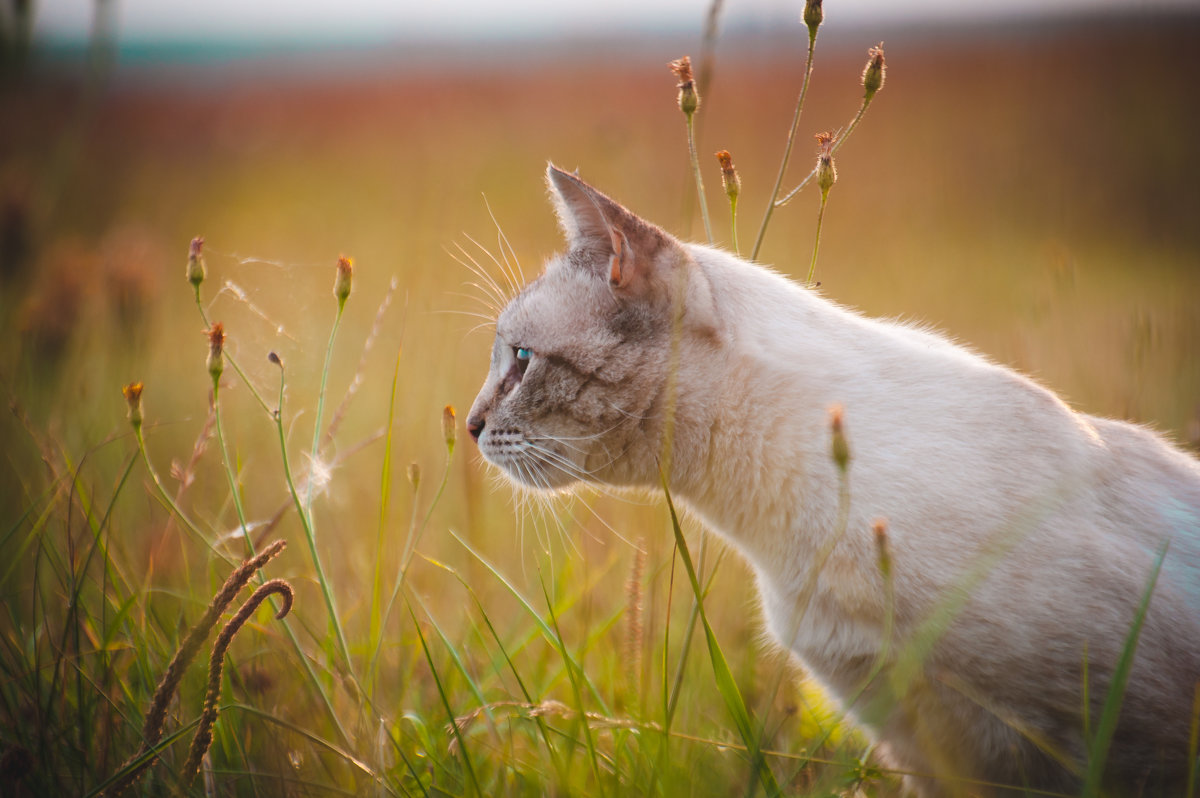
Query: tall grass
[(432, 649)]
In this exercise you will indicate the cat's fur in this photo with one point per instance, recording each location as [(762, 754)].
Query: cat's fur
[(1022, 534)]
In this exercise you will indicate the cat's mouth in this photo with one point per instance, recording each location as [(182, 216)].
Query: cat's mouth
[(537, 462)]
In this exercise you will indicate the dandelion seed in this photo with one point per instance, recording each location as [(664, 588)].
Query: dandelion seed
[(320, 474)]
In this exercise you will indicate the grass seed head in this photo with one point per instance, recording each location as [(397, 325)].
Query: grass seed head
[(840, 449), (195, 262), (133, 398), (449, 432), (689, 98), (814, 15), (874, 72), (879, 528), (729, 175), (216, 350), (414, 475), (341, 283), (826, 170)]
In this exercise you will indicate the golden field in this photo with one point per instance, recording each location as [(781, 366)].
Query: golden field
[(1033, 193)]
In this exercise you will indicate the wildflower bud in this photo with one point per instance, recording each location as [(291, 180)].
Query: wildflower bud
[(826, 171), (414, 475), (341, 283), (195, 262), (274, 358), (874, 72), (216, 350), (813, 17), (729, 175), (448, 428), (840, 449), (879, 527), (689, 99), (133, 398)]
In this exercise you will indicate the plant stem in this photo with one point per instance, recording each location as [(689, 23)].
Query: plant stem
[(862, 109), (787, 150), (812, 269), (691, 137)]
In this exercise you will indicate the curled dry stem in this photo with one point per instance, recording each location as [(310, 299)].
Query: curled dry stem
[(152, 727)]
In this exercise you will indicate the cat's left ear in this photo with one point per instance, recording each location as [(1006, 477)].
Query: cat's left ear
[(593, 222)]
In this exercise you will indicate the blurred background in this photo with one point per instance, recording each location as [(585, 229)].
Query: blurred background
[(1027, 181)]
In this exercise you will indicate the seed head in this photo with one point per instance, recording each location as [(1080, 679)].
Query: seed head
[(840, 450), (341, 283), (216, 350), (874, 72), (689, 99), (879, 527), (826, 171), (133, 398), (729, 175), (813, 17), (195, 262), (414, 475), (448, 426)]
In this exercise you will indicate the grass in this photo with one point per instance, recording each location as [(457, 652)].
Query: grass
[(439, 642)]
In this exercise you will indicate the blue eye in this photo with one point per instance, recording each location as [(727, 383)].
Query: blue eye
[(523, 353)]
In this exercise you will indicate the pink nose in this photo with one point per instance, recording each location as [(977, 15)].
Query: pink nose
[(475, 427)]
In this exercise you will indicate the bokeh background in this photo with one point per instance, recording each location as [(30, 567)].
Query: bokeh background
[(1028, 181)]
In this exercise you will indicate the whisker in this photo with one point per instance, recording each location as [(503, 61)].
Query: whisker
[(504, 242)]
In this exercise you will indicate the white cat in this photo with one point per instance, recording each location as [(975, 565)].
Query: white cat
[(1022, 535)]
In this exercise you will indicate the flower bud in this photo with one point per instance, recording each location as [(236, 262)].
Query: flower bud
[(813, 17), (195, 262), (414, 475), (216, 350), (133, 398), (874, 72), (826, 171), (448, 427), (689, 99), (341, 283), (879, 527), (840, 450), (729, 175)]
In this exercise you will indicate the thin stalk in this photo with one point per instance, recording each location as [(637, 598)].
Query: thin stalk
[(385, 492), (309, 536), (321, 405), (275, 607), (837, 145), (733, 225), (812, 269), (787, 150), (691, 137)]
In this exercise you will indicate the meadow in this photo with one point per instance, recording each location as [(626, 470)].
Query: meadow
[(1030, 191)]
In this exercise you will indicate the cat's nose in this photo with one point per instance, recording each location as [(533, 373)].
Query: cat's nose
[(475, 427)]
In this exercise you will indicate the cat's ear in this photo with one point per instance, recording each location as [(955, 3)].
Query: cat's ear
[(592, 221)]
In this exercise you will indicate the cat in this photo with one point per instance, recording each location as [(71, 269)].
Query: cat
[(1022, 536)]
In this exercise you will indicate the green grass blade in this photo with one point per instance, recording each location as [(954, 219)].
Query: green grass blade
[(1107, 724), (721, 672)]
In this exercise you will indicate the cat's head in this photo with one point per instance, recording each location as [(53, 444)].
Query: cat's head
[(577, 387)]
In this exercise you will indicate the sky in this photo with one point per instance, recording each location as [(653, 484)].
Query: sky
[(279, 21)]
